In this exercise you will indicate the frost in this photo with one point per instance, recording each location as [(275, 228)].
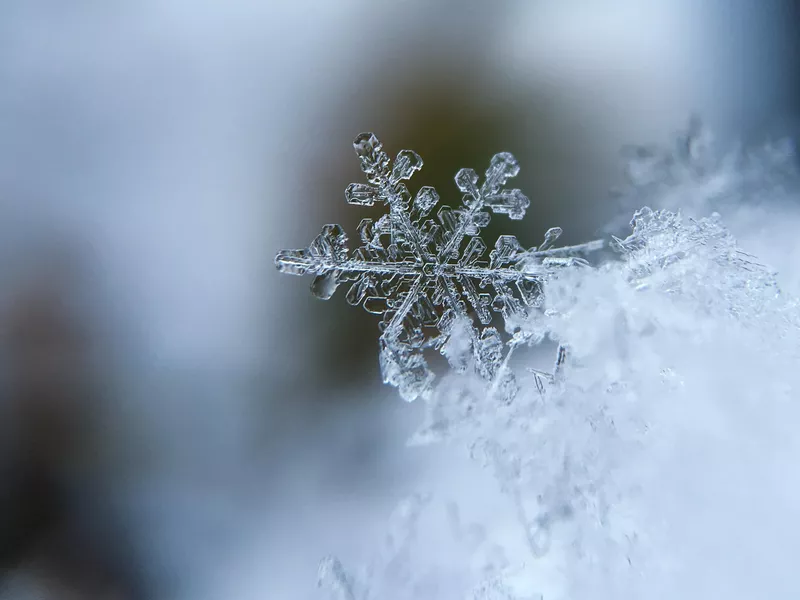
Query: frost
[(657, 458), (569, 456), (696, 176), (333, 577), (427, 277)]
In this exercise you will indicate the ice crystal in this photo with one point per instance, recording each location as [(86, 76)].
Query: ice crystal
[(428, 278), (675, 381), (567, 456)]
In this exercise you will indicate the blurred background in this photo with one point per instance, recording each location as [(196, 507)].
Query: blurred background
[(178, 419)]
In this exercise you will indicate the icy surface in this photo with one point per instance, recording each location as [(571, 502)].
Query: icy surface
[(657, 459), (426, 276)]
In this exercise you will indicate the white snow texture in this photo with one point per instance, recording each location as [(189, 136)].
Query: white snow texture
[(659, 460)]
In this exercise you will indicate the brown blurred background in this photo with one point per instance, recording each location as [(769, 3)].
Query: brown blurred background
[(180, 421)]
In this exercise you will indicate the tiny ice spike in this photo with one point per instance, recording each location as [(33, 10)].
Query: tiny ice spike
[(423, 275)]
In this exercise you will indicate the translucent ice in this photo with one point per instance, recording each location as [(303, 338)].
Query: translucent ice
[(428, 277)]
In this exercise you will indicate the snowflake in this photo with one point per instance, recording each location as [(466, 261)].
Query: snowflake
[(426, 276)]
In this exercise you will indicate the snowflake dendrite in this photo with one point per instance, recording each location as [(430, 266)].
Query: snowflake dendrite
[(427, 277)]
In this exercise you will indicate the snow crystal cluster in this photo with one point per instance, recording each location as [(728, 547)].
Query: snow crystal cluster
[(658, 458)]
